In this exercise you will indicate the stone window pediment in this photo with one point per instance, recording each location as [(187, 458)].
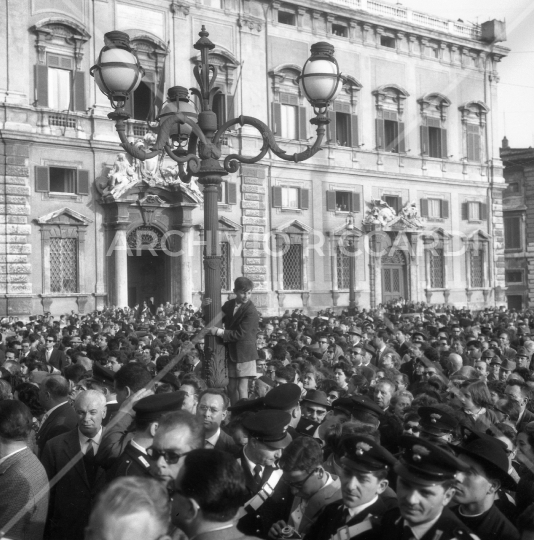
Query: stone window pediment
[(65, 217), (294, 227), (391, 96)]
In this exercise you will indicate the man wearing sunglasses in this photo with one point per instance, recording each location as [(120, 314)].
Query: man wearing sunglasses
[(178, 433), (363, 467), (311, 485), (269, 498), (51, 355)]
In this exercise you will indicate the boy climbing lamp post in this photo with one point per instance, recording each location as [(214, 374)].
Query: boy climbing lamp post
[(189, 135)]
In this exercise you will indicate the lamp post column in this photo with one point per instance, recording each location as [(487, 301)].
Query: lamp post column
[(121, 265), (352, 276)]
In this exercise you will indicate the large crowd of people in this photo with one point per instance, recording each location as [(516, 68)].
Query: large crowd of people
[(405, 422)]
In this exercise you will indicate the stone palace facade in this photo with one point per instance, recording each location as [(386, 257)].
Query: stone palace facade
[(410, 174)]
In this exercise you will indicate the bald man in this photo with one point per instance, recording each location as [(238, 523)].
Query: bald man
[(73, 454), (455, 363)]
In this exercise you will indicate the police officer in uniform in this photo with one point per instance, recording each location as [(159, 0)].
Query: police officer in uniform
[(425, 486), (270, 497), (437, 425), (363, 466), (134, 460)]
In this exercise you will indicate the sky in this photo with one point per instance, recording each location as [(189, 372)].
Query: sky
[(516, 87)]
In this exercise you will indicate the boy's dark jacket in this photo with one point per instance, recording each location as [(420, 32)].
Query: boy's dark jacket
[(240, 330)]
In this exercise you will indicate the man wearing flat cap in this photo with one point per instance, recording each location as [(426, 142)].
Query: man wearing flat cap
[(477, 488), (148, 410), (363, 467), (425, 487), (270, 498)]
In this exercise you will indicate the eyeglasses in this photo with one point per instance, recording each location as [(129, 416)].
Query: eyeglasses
[(169, 456), (300, 484), (415, 429), (50, 341)]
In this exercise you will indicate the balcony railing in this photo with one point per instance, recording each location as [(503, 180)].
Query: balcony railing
[(405, 14)]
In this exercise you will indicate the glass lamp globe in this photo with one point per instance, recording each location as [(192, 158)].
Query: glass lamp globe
[(117, 72), (320, 80), (178, 102)]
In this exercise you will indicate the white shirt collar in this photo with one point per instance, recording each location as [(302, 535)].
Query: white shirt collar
[(138, 446), (420, 530), (214, 438), (84, 440), (251, 464), (359, 509), (12, 454)]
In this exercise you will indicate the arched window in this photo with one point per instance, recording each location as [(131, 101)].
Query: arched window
[(144, 104), (434, 125), (60, 82), (390, 135), (473, 122)]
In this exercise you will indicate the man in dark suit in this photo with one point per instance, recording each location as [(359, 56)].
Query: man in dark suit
[(520, 393), (270, 498), (60, 416), (241, 320), (425, 487), (212, 409), (51, 355), (73, 455), (23, 481), (364, 466)]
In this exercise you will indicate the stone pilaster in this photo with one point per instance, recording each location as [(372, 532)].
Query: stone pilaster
[(253, 219), (498, 265), (15, 247)]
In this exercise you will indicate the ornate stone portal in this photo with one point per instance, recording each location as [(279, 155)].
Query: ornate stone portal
[(148, 196)]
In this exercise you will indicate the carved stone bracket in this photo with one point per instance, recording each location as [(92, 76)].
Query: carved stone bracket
[(250, 22), (305, 299), (81, 301), (281, 298)]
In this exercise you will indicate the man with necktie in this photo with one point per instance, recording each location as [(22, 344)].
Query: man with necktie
[(363, 467), (72, 455), (241, 320)]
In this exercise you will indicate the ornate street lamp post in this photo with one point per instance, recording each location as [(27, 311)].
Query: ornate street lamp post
[(193, 140)]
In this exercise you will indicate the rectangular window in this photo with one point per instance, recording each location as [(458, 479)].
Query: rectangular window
[(289, 121), (286, 17), (340, 30), (343, 127), (59, 89), (512, 232), (343, 268), (434, 142), (343, 199), (63, 265), (437, 274), (513, 277), (292, 267), (391, 136), (226, 279), (474, 211), (62, 180), (290, 197), (394, 201), (513, 187), (473, 143), (477, 269), (387, 41), (434, 208)]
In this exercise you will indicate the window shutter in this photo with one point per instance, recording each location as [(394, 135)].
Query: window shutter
[(303, 125), (231, 193), (330, 201), (42, 179), (230, 107), (402, 140), (473, 142), (41, 85), (444, 209), (277, 197), (444, 149), (424, 140), (465, 211), (483, 211), (332, 132), (379, 133), (128, 105), (304, 199), (355, 202), (476, 142), (220, 193), (277, 119), (82, 182), (354, 135), (79, 91), (424, 207)]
